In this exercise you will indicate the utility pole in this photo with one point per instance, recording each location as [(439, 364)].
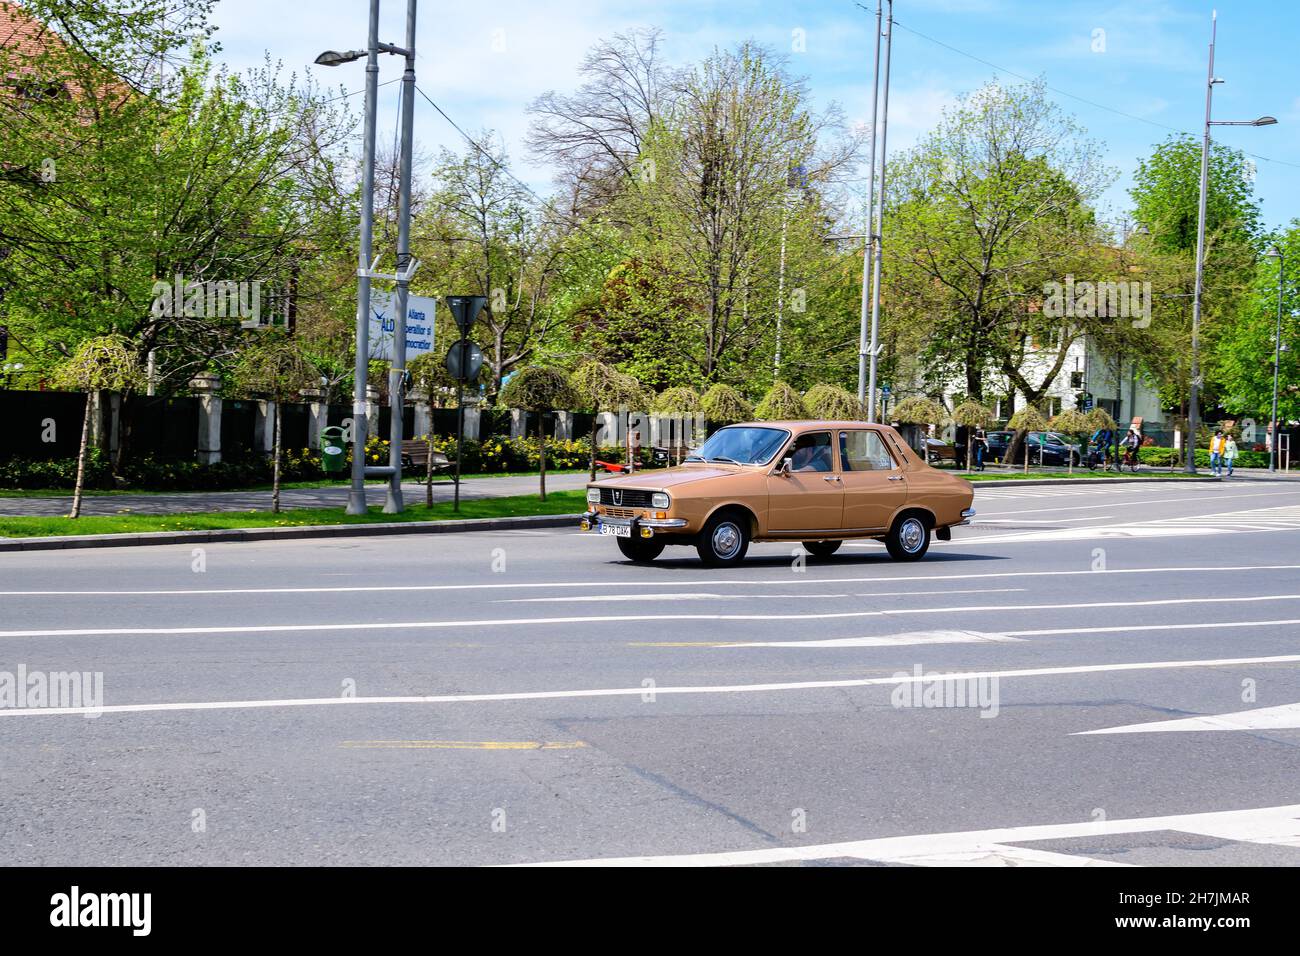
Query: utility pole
[(405, 269), (866, 249), (357, 494), (879, 224)]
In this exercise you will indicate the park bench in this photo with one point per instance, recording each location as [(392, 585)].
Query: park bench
[(415, 456)]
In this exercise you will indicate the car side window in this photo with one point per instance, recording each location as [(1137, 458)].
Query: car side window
[(812, 452), (864, 451)]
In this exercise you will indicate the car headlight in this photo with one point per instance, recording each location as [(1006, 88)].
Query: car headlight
[(659, 500), (593, 496)]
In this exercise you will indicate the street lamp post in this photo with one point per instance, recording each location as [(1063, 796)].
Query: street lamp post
[(1274, 450), (365, 264), (1193, 404), (863, 346), (879, 226)]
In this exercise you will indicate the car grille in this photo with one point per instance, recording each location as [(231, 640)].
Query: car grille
[(627, 498), (621, 512)]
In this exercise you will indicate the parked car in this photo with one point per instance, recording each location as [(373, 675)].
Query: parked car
[(1045, 448), (820, 483)]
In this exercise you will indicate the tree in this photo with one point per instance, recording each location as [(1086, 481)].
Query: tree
[(680, 400), (1071, 422), (972, 415), (602, 387), (274, 365), (918, 410), (1246, 351), (724, 405), (146, 175), (539, 389), (781, 404), (832, 403), (106, 362), (988, 209), (1025, 420)]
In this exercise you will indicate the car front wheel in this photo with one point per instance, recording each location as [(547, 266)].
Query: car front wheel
[(640, 549), (822, 549), (724, 541), (908, 539)]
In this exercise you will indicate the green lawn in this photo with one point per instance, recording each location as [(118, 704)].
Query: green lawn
[(321, 483), (557, 502)]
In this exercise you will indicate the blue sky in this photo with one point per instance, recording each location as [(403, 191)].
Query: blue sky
[(484, 62)]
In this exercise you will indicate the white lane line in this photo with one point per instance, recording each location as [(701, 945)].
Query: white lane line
[(709, 583), (977, 521), (1125, 628), (639, 692), (1285, 717), (995, 854), (629, 618), (659, 596), (894, 640), (663, 596), (1262, 825), (1124, 504)]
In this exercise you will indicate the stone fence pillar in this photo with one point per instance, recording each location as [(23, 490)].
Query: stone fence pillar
[(206, 386)]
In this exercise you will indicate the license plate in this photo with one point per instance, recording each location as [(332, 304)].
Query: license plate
[(617, 530)]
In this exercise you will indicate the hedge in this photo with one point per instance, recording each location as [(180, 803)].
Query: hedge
[(1157, 456)]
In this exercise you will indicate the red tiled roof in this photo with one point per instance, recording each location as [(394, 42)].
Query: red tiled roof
[(19, 31)]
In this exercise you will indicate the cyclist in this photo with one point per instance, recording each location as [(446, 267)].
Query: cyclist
[(1131, 443)]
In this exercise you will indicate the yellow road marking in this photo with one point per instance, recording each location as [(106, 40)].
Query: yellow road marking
[(462, 744)]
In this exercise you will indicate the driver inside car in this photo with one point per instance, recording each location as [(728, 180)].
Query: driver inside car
[(811, 453)]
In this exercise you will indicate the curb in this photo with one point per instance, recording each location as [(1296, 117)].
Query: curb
[(1082, 482), (64, 542)]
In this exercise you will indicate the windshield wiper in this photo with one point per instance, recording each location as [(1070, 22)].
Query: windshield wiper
[(724, 458), (694, 458)]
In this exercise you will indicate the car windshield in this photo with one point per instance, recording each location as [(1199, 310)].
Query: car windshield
[(743, 446)]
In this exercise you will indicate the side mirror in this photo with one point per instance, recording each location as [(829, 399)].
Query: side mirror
[(785, 466)]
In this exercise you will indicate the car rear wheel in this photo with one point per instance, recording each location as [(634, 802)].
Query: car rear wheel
[(822, 549), (724, 540), (640, 549), (909, 538)]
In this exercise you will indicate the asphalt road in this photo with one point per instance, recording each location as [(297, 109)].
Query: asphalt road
[(1132, 696)]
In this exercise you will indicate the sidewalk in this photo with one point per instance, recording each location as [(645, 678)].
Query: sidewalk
[(334, 497)]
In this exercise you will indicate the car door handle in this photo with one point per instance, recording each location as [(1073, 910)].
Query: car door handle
[(895, 477), (830, 478)]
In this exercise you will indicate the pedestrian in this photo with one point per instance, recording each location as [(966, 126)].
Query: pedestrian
[(1101, 441), (981, 448), (1229, 453), (1216, 453)]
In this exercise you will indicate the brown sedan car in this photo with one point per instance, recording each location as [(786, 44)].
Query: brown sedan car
[(815, 482)]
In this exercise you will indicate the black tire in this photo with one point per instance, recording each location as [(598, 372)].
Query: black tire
[(724, 540), (640, 550), (822, 549), (909, 538)]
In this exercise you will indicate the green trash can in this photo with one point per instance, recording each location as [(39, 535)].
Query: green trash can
[(333, 450)]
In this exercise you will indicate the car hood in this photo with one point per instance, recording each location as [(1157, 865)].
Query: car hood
[(670, 477)]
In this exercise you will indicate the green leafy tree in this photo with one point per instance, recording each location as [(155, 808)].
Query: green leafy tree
[(540, 389), (972, 415), (601, 388), (725, 406), (105, 362), (781, 404), (274, 366), (832, 403), (1026, 419)]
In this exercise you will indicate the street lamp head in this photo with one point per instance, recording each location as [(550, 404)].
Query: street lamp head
[(1273, 253), (334, 58), (1265, 121)]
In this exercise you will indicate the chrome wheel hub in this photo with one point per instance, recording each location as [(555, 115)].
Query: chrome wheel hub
[(726, 540), (911, 535)]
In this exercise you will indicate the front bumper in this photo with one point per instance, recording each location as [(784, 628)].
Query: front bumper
[(641, 527)]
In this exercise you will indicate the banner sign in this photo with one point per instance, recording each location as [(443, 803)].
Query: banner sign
[(419, 325)]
